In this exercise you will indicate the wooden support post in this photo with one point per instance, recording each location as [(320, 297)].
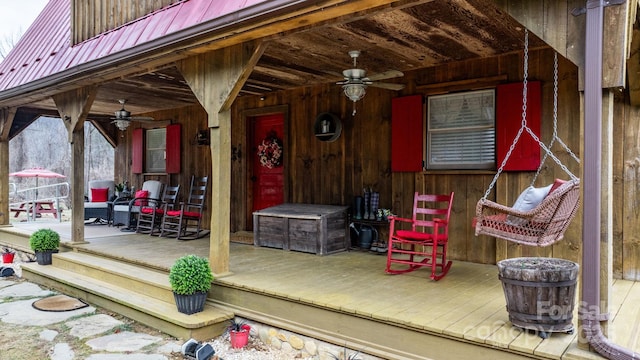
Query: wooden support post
[(216, 79), (6, 119), (73, 107), (4, 182)]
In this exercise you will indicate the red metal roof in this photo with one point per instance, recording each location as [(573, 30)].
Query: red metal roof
[(45, 49)]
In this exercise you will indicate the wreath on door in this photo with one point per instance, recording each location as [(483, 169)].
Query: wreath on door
[(270, 152)]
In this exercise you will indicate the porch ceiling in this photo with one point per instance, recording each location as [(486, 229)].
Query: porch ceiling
[(402, 37)]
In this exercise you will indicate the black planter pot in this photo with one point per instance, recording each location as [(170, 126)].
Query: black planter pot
[(190, 304), (44, 257)]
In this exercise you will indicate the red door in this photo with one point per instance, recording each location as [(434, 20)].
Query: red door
[(268, 160)]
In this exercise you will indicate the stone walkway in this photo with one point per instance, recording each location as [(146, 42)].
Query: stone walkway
[(100, 332), (94, 334)]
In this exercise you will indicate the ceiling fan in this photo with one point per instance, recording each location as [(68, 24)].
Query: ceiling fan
[(356, 80), (123, 117)]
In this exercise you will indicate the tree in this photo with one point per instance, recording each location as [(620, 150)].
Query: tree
[(8, 42), (44, 144)]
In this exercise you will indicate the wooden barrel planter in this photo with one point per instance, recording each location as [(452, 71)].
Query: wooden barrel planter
[(540, 293)]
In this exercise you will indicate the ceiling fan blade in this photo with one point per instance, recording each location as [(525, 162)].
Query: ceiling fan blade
[(388, 86), (141, 118), (389, 74)]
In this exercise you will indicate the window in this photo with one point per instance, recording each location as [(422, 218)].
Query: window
[(461, 131), (156, 150), (159, 148)]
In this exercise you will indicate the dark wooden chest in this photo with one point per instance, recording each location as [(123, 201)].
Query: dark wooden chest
[(318, 229)]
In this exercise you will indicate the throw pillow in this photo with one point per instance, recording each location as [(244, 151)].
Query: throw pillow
[(528, 199), (531, 197), (99, 195), (556, 184), (141, 194)]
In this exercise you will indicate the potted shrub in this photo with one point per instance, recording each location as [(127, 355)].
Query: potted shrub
[(7, 255), (190, 278), (44, 243), (238, 333)]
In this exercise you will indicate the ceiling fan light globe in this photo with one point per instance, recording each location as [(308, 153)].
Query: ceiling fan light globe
[(354, 92), (121, 124)]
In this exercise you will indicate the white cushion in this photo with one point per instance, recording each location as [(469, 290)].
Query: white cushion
[(96, 205), (528, 199), (125, 208), (154, 187), (531, 197)]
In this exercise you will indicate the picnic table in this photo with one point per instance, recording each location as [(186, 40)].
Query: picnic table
[(36, 208)]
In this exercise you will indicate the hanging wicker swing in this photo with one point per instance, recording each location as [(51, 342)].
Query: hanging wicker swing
[(545, 223)]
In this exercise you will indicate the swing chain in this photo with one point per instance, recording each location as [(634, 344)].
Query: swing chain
[(523, 123), (555, 126), (524, 126)]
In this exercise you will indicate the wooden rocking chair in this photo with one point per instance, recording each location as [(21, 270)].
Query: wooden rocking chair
[(184, 221), (150, 216), (425, 244)]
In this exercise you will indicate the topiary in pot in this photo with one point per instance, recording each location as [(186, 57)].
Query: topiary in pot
[(44, 242), (190, 278)]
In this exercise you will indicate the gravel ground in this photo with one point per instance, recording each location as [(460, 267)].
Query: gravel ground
[(254, 350)]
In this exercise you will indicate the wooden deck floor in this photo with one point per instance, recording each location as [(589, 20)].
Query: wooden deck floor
[(467, 305)]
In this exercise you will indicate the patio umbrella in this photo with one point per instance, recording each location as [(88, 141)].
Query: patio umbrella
[(37, 173)]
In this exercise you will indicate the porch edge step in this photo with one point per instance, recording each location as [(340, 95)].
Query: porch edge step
[(147, 310), (139, 279)]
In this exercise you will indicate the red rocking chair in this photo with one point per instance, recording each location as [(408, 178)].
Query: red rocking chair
[(425, 243)]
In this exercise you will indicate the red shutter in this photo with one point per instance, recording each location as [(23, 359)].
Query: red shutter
[(137, 150), (526, 154), (406, 133), (173, 149)]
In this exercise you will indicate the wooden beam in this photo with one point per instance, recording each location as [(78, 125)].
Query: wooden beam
[(553, 22), (617, 37), (6, 120), (74, 107), (459, 85), (633, 69), (216, 79)]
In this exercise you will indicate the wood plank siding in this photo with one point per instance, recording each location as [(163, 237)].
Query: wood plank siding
[(334, 172), (91, 18)]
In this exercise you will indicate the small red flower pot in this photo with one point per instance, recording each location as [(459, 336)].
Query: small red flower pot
[(7, 258), (239, 338)]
